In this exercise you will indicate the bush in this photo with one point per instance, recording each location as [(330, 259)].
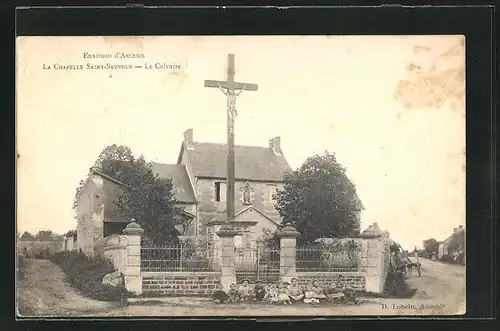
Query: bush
[(451, 259), (86, 274), (41, 253), (327, 256)]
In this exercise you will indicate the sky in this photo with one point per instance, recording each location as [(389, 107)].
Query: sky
[(390, 107)]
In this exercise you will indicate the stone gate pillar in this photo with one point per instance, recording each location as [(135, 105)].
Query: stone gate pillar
[(288, 247), (372, 259), (228, 274), (132, 274)]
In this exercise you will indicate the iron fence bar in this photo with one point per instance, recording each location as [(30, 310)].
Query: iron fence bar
[(180, 258), (258, 260)]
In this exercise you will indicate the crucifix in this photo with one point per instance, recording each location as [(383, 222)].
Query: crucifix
[(229, 87)]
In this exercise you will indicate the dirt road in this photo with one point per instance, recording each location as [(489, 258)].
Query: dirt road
[(45, 293), (438, 281), (440, 290)]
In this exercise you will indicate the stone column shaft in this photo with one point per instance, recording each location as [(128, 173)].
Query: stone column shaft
[(288, 247), (228, 274), (374, 264)]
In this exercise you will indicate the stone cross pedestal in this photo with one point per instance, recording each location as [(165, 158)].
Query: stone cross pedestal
[(228, 274)]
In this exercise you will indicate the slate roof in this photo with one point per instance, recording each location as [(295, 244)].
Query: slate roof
[(209, 160), (110, 178), (180, 180)]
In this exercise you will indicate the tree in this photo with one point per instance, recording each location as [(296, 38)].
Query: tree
[(270, 239), (150, 201), (114, 160), (457, 242), (46, 235), (430, 246), (319, 200), (146, 198), (26, 236)]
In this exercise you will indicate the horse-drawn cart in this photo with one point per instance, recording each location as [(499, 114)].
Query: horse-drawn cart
[(402, 264)]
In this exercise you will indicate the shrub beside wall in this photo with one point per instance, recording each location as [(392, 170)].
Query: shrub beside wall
[(86, 273), (451, 259)]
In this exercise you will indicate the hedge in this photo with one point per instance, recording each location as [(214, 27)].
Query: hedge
[(86, 273), (451, 259)]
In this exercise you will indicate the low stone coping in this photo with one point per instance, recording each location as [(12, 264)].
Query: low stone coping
[(179, 273), (235, 223), (328, 273), (114, 247), (170, 300)]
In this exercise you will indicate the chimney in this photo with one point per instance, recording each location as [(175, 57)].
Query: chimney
[(275, 145), (454, 230), (188, 138)]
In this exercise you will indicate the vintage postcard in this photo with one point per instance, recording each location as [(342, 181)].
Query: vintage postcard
[(197, 176)]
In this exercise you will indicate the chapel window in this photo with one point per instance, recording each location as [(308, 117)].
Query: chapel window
[(271, 194), (220, 191)]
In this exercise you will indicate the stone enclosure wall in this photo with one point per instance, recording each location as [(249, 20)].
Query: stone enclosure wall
[(205, 283), (125, 252), (114, 248), (180, 283)]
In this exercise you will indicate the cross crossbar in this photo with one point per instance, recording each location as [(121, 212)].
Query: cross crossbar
[(235, 85)]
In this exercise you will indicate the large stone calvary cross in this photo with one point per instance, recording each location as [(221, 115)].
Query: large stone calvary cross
[(229, 87)]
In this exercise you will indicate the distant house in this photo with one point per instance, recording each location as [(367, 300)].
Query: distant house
[(69, 241), (455, 242), (199, 184)]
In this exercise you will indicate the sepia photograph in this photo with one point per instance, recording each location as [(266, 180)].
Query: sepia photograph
[(300, 175)]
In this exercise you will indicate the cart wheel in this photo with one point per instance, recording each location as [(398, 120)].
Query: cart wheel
[(418, 269)]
